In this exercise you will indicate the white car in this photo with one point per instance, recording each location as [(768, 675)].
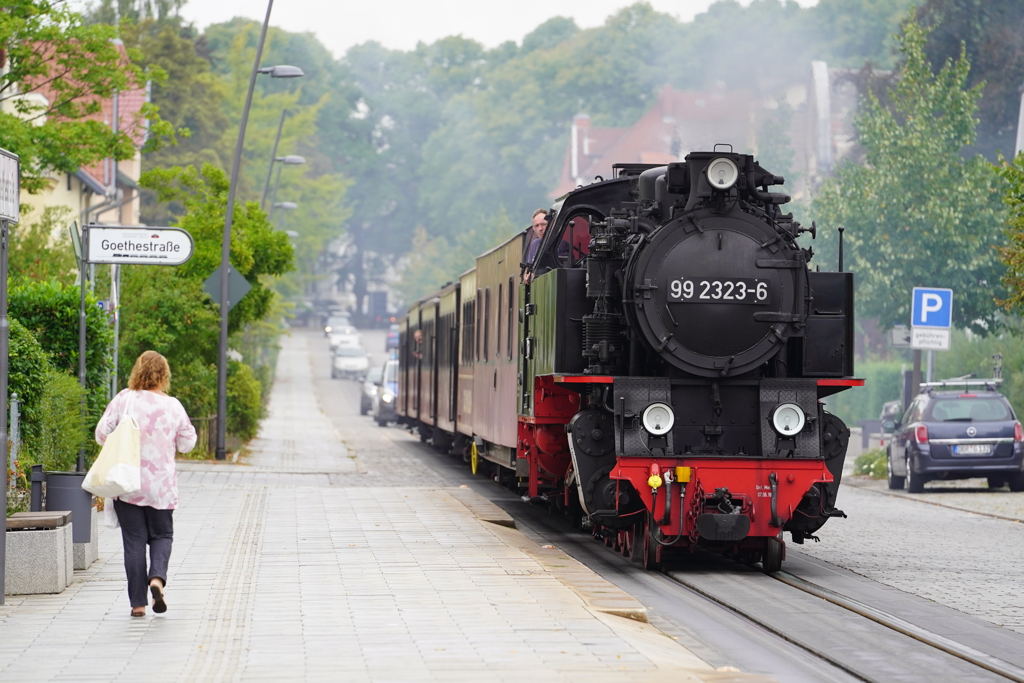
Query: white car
[(350, 361), (345, 336)]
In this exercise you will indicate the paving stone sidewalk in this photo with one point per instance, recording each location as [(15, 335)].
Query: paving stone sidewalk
[(315, 563)]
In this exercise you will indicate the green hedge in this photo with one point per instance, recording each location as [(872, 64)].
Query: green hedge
[(51, 424), (245, 404), (882, 383), (60, 423), (50, 311), (28, 367)]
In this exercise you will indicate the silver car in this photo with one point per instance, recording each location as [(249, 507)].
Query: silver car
[(350, 362)]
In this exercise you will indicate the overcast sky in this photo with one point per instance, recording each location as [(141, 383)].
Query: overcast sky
[(400, 24)]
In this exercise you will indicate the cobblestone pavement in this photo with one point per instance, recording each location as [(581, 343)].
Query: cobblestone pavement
[(969, 495), (322, 561), (941, 551)]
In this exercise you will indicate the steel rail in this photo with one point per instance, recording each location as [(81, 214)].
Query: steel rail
[(959, 650), (782, 633)]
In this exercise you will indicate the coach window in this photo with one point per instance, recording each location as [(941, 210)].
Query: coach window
[(487, 321), (479, 326), (497, 322), (511, 318)]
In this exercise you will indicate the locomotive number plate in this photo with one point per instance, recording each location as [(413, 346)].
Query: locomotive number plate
[(739, 290)]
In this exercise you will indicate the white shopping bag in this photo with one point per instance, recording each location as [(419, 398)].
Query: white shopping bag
[(117, 470)]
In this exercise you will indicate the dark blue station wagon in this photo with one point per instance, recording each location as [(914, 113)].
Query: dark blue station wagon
[(957, 434)]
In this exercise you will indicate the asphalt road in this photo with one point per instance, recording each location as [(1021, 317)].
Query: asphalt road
[(919, 562)]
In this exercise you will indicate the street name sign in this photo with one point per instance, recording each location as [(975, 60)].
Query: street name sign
[(10, 187), (931, 317), (139, 245)]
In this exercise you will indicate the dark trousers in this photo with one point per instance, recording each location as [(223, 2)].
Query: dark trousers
[(141, 526)]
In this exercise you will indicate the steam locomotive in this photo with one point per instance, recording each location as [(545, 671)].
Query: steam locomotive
[(657, 370)]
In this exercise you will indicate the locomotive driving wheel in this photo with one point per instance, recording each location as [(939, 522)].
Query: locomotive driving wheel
[(771, 558), (650, 557)]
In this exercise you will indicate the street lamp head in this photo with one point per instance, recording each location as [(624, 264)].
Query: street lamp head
[(282, 71), (291, 159), (286, 205), (292, 233)]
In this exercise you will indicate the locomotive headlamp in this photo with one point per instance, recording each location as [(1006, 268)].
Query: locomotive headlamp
[(788, 419), (387, 398), (722, 173), (658, 419)]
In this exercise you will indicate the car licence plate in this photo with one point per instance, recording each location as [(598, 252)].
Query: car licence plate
[(972, 449)]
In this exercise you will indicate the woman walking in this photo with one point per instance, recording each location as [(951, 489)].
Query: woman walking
[(146, 515)]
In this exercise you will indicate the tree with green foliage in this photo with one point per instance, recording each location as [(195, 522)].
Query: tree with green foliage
[(55, 70), (1013, 253), (167, 310), (40, 247), (990, 33), (256, 248), (917, 213)]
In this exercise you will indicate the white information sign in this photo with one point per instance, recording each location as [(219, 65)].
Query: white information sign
[(930, 338), (10, 186), (139, 246)]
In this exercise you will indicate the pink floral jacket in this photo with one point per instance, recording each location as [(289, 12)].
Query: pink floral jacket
[(164, 428)]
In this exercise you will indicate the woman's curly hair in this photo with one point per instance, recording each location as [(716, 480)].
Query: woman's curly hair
[(150, 373)]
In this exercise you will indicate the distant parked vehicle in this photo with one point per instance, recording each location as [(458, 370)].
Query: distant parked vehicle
[(371, 385), (391, 341), (335, 323), (344, 336), (350, 362), (387, 396), (957, 433)]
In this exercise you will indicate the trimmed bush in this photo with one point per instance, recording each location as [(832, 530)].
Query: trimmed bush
[(50, 311), (872, 463), (61, 427), (245, 403), (28, 366)]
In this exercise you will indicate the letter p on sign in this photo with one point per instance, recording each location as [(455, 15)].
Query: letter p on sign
[(932, 307)]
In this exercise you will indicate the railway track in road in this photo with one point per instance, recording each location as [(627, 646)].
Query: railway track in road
[(782, 613), (794, 628), (911, 652), (949, 646)]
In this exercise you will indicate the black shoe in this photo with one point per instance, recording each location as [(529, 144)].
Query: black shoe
[(159, 606)]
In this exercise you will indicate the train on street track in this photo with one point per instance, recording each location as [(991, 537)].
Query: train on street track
[(656, 370)]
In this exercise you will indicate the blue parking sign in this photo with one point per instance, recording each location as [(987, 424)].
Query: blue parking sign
[(932, 307)]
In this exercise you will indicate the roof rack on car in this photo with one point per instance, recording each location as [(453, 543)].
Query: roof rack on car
[(989, 384)]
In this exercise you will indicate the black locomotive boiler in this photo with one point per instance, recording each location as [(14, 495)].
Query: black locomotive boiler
[(672, 347)]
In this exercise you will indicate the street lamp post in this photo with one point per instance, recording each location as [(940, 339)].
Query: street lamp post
[(273, 158), (287, 160), (225, 256)]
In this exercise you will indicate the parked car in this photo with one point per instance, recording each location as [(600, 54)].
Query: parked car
[(957, 433), (387, 396), (336, 322), (371, 385), (391, 341), (344, 336), (350, 362)]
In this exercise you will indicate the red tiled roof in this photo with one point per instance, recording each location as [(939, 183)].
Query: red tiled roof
[(678, 123)]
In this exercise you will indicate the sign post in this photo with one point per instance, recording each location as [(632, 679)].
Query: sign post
[(10, 199), (122, 245), (931, 318)]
